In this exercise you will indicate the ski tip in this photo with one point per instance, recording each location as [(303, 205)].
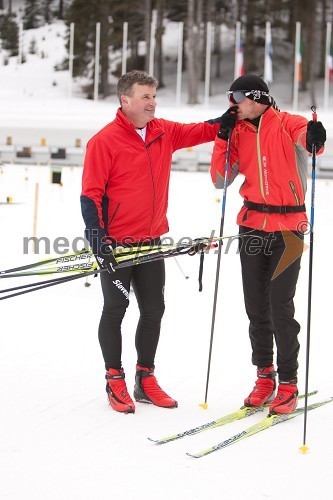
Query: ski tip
[(304, 449), (190, 455), (152, 440), (204, 406)]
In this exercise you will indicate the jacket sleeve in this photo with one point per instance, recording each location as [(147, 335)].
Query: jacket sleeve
[(185, 135), (296, 127), (218, 163), (97, 164)]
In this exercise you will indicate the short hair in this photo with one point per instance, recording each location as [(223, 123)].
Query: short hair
[(128, 80)]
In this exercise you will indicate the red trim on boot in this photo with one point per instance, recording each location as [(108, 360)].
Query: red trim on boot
[(286, 398), (117, 392), (264, 389), (147, 390)]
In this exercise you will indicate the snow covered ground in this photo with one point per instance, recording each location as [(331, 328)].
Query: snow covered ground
[(59, 438)]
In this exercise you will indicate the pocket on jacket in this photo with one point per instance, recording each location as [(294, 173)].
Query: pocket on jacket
[(292, 185), (114, 213)]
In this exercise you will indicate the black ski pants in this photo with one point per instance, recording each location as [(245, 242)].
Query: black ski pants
[(148, 282), (269, 302)]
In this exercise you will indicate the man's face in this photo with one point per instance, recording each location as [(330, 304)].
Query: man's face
[(140, 106), (249, 109)]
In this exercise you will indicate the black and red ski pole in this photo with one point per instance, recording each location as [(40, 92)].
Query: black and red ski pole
[(304, 448), (218, 265)]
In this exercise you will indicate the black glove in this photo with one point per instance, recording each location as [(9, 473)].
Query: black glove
[(316, 134), (201, 245), (105, 258), (227, 122), (198, 246)]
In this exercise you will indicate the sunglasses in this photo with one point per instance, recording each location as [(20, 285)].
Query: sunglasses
[(237, 96)]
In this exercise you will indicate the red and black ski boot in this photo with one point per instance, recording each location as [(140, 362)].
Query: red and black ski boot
[(286, 399), (264, 389), (147, 390), (117, 392)]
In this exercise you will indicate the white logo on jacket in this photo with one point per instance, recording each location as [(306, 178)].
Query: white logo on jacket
[(266, 184)]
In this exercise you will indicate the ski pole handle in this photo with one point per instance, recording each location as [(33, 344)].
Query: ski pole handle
[(227, 156), (314, 113), (314, 119)]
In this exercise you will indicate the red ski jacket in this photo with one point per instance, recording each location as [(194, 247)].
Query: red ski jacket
[(274, 162), (126, 180)]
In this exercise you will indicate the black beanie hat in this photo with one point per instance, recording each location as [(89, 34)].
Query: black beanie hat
[(252, 82)]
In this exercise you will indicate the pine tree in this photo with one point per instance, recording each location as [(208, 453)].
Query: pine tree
[(61, 9), (85, 15), (46, 10), (133, 12), (31, 16), (192, 39), (9, 33), (111, 15)]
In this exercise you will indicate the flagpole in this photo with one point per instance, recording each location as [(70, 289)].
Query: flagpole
[(20, 44), (71, 58), (124, 54), (152, 43), (237, 46), (97, 50), (296, 65), (268, 70), (328, 65), (179, 63), (208, 62)]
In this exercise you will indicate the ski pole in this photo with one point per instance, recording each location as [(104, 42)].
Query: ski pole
[(304, 448), (181, 269), (218, 265), (32, 287)]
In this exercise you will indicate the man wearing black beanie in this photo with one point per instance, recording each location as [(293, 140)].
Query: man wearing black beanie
[(271, 149)]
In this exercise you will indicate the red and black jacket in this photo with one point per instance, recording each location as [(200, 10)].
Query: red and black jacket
[(274, 162)]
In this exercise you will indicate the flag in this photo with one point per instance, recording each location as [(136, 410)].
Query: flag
[(239, 57), (297, 65), (329, 63), (268, 72), (299, 61)]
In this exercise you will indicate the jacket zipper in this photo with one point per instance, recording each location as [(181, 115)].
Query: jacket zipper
[(114, 213), (152, 178), (261, 183)]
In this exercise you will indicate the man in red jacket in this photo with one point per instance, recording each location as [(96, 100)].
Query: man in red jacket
[(271, 150), (124, 200)]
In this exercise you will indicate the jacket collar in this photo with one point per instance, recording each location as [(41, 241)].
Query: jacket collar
[(266, 118), (154, 127)]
